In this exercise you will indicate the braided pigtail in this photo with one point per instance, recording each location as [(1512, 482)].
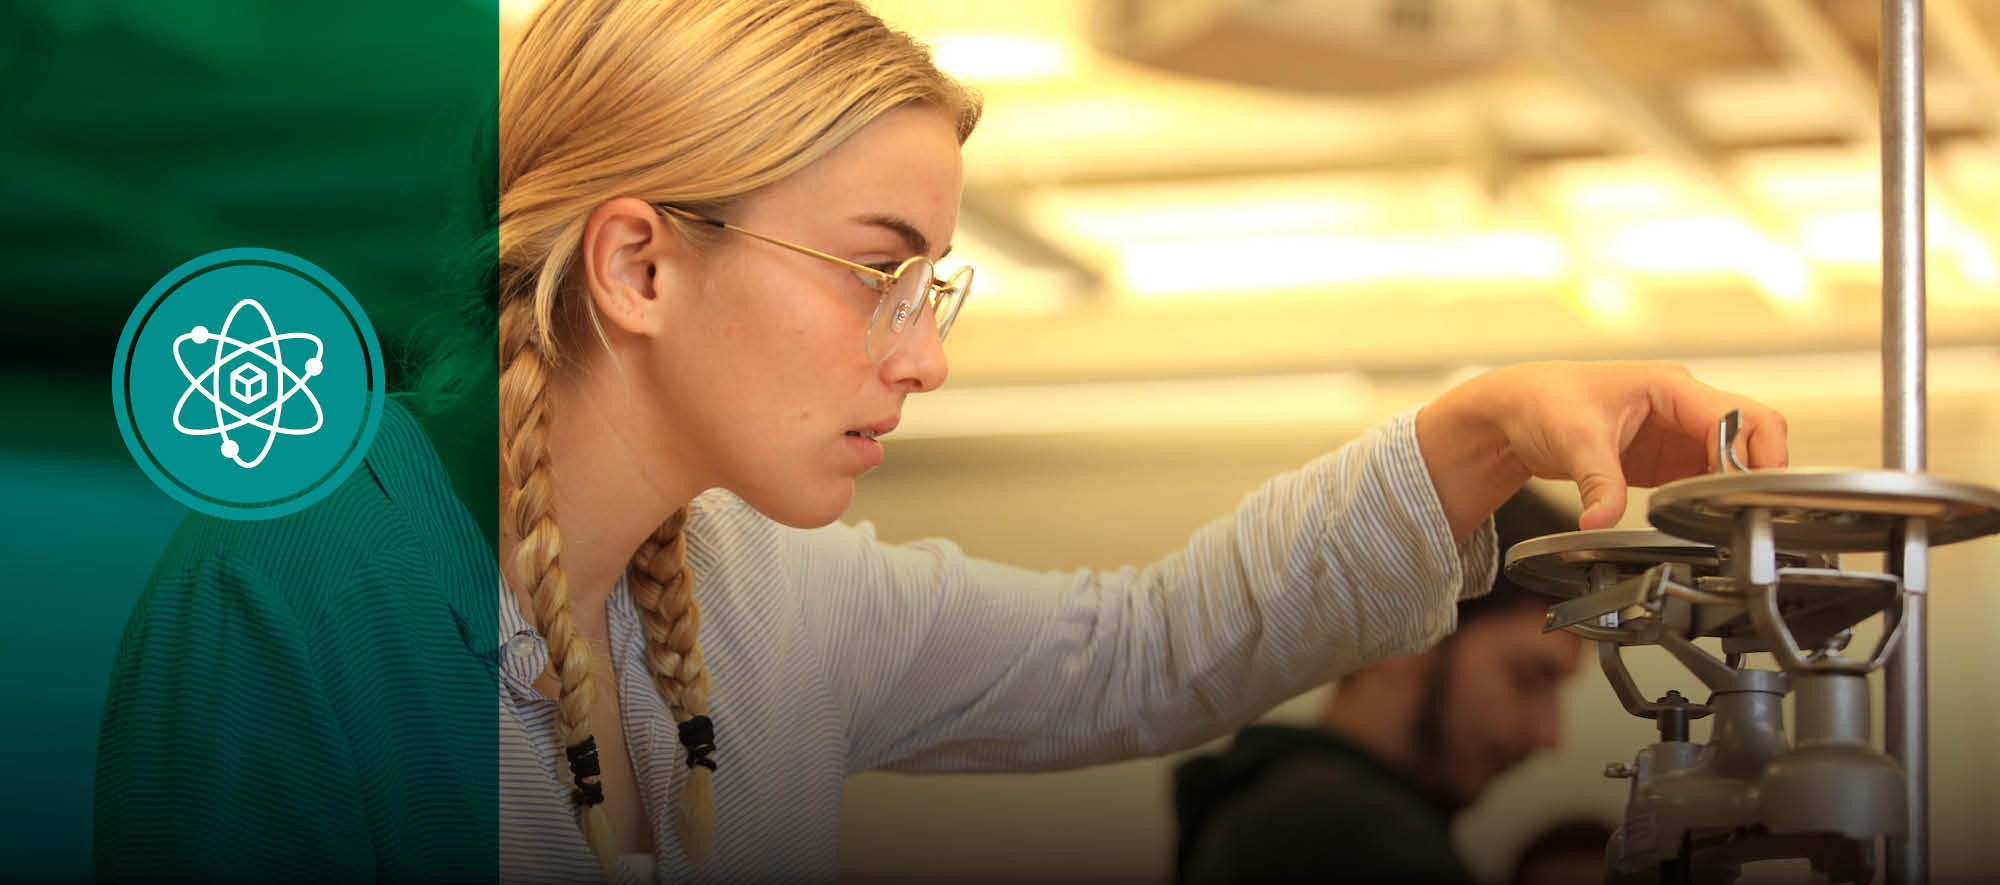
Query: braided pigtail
[(690, 103), (663, 589), (537, 564)]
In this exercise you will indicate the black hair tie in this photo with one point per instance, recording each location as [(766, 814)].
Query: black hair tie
[(583, 764), (698, 736)]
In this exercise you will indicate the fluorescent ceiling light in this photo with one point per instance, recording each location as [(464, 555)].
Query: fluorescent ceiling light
[(1263, 205), (1976, 263), (1299, 231), (1680, 244), (1000, 58), (1231, 265), (1852, 240), (1588, 190), (1695, 244), (1167, 216), (1811, 180), (1778, 271), (1137, 405), (1617, 225), (1346, 398), (1605, 299)]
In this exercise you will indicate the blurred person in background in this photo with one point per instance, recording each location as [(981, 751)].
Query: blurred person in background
[(1368, 793), (1569, 853)]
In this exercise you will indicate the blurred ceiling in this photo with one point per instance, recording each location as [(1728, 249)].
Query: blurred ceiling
[(1160, 188), (1199, 188)]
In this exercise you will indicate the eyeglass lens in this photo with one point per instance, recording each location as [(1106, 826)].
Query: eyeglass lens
[(912, 303)]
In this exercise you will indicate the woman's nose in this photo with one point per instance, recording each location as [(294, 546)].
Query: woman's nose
[(918, 363)]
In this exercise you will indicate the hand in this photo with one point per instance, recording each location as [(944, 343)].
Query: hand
[(1603, 425)]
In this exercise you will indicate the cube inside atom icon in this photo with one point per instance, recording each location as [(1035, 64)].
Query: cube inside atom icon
[(247, 383)]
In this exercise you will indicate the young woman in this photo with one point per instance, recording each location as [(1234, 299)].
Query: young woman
[(719, 223)]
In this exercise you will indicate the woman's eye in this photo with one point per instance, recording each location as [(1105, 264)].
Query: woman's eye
[(870, 280)]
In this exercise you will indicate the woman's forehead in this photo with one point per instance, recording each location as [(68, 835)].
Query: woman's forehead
[(901, 174)]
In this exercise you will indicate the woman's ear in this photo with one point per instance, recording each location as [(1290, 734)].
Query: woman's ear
[(627, 250)]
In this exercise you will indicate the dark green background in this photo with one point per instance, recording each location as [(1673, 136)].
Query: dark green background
[(133, 137)]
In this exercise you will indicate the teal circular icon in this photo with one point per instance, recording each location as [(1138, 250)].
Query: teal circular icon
[(248, 383)]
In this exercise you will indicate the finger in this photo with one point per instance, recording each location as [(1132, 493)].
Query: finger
[(1600, 482), (1760, 440), (1765, 440), (1695, 409), (1603, 500)]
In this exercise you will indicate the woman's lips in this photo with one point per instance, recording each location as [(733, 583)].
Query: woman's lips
[(866, 447)]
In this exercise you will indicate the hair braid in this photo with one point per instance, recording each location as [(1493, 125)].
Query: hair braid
[(537, 562), (663, 589), (692, 102)]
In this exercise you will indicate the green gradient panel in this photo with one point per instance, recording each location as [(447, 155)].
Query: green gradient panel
[(133, 137)]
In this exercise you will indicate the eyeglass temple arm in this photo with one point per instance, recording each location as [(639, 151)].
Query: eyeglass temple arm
[(719, 223)]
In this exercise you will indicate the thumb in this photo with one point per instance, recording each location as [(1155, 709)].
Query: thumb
[(1601, 483)]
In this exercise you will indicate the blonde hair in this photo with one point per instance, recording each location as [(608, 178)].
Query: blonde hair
[(690, 102)]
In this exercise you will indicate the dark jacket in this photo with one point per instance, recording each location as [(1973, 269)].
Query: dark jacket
[(1297, 804)]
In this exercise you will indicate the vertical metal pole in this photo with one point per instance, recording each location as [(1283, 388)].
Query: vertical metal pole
[(1903, 408), (1904, 711)]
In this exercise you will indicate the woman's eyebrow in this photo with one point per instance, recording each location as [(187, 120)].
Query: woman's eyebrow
[(912, 237)]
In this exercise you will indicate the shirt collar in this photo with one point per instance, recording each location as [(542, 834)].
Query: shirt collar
[(512, 621), (523, 653)]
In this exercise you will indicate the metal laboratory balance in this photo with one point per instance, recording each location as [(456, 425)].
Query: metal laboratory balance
[(1751, 558)]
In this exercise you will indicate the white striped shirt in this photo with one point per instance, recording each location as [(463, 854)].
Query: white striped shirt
[(833, 653)]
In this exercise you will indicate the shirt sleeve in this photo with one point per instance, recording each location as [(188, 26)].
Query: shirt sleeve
[(944, 662), (219, 755), (287, 706)]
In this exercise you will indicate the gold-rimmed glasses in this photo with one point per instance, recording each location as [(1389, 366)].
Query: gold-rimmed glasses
[(901, 302)]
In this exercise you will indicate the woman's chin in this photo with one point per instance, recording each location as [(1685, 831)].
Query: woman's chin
[(805, 511)]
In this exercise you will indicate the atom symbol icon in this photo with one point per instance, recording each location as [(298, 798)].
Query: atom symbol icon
[(248, 384)]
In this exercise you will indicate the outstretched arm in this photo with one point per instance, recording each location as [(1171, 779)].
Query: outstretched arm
[(945, 662)]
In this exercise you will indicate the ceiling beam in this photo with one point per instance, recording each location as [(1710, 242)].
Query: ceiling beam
[(1005, 223), (1813, 41), (1958, 33), (1650, 123)]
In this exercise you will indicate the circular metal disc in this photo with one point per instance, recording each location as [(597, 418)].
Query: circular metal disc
[(1826, 511), (1559, 565)]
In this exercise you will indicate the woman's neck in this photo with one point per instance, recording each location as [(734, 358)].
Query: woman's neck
[(609, 494)]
